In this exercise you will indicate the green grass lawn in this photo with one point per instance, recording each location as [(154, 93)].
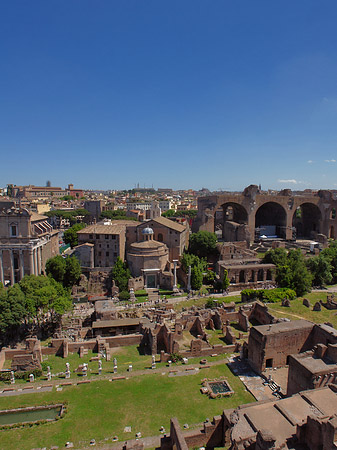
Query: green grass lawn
[(102, 409), (297, 309)]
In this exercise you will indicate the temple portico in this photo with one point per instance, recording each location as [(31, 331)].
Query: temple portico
[(21, 260), (26, 242)]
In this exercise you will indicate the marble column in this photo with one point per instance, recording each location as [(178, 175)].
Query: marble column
[(11, 265), (189, 279), (36, 270), (31, 262), (175, 274), (22, 268), (38, 255), (2, 280)]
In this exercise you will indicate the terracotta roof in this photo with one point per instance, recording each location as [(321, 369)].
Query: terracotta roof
[(116, 227), (148, 244), (168, 223), (35, 217)]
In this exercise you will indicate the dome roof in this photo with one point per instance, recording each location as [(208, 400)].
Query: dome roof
[(147, 230)]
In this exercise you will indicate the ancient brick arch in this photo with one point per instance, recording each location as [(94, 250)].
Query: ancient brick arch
[(271, 220), (227, 214), (307, 219), (252, 207)]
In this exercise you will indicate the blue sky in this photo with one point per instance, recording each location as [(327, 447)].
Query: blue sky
[(182, 94)]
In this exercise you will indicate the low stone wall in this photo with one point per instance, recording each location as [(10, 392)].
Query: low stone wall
[(214, 350)]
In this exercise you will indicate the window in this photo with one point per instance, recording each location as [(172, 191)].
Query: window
[(115, 254), (106, 236), (97, 236), (113, 236), (99, 253), (106, 253), (269, 362), (107, 246), (91, 236), (14, 230)]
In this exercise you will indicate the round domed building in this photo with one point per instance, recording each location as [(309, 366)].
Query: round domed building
[(150, 259)]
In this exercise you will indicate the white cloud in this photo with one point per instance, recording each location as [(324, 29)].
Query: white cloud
[(330, 160), (289, 181), (310, 161)]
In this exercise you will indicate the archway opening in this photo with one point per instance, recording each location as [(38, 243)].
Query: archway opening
[(270, 221), (230, 220), (307, 221)]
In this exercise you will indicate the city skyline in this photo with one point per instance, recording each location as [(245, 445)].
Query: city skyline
[(199, 94)]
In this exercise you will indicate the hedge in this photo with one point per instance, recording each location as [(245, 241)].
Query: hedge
[(267, 295)]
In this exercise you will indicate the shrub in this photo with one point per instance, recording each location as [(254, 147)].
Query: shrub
[(124, 295), (267, 295)]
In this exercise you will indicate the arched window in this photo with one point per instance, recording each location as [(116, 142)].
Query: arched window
[(160, 237)]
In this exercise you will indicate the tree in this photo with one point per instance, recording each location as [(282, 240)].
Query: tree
[(64, 270), (294, 274), (225, 281), (73, 272), (196, 278), (209, 277), (203, 244), (189, 259), (277, 256), (70, 235), (120, 274), (56, 268), (331, 254), (320, 269), (116, 215)]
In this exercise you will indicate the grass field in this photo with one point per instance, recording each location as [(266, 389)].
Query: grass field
[(298, 311), (102, 409)]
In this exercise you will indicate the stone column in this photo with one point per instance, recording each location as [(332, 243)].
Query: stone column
[(189, 279), (255, 275), (31, 262), (2, 280), (264, 275), (289, 232), (246, 276), (36, 270), (38, 255), (22, 268), (175, 274), (11, 265), (236, 275)]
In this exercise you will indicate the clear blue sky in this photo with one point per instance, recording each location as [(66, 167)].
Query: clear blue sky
[(186, 93)]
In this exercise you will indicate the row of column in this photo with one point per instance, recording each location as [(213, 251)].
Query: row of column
[(254, 275), (35, 263)]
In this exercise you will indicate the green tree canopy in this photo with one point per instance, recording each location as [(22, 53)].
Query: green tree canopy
[(119, 214), (321, 270), (331, 254), (56, 268), (70, 235), (196, 278), (34, 298), (291, 270), (120, 274), (225, 281), (203, 244), (64, 270)]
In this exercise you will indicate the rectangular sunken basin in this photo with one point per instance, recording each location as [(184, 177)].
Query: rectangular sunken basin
[(216, 388), (30, 415), (220, 387)]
